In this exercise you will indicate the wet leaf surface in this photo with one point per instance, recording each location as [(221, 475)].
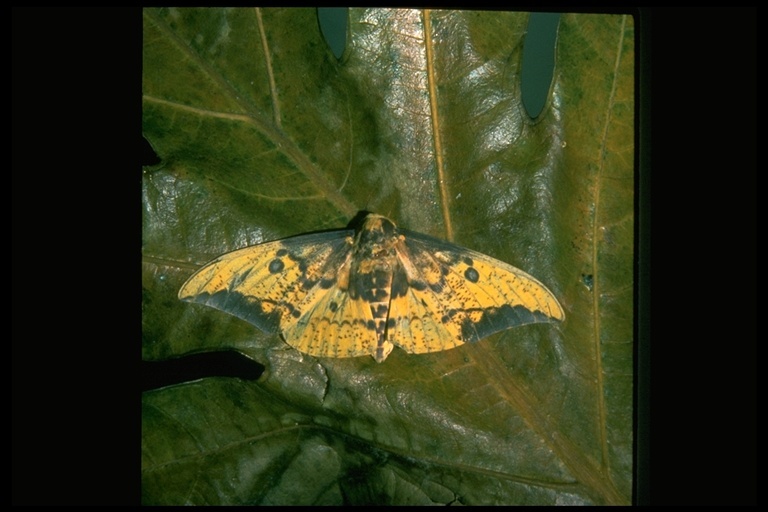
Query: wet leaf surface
[(262, 133)]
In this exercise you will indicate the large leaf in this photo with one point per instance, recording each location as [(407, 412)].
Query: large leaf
[(262, 134)]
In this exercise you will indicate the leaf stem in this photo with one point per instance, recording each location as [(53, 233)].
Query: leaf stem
[(432, 87)]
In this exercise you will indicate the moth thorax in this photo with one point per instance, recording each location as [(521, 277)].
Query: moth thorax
[(375, 246), (382, 263)]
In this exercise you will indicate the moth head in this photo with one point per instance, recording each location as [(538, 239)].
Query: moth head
[(377, 236), (376, 222)]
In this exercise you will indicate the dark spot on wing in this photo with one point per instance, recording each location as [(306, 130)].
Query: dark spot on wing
[(471, 274), (418, 285), (276, 265), (308, 284), (326, 282)]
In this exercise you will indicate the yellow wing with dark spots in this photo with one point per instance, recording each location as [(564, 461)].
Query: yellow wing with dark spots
[(335, 295), (334, 325), (274, 284), (455, 295)]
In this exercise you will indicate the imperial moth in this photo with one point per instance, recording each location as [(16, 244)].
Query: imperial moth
[(348, 294)]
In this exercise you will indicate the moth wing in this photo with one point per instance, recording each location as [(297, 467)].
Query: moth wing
[(267, 284), (333, 324), (454, 295)]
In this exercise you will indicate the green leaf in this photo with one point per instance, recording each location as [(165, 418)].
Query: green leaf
[(262, 133)]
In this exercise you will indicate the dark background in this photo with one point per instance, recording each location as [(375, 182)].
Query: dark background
[(75, 244)]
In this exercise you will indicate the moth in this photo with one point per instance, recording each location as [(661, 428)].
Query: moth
[(348, 294)]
